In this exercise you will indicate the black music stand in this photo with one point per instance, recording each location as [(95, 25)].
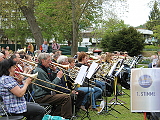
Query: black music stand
[(105, 110), (86, 114), (94, 66), (74, 106), (115, 99)]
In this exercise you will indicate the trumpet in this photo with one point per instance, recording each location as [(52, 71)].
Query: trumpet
[(34, 76)]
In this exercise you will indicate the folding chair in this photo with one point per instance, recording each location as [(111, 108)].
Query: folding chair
[(6, 116), (30, 98)]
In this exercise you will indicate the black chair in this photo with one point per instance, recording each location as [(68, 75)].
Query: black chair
[(6, 116), (30, 98)]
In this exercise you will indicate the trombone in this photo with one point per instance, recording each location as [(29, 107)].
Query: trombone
[(34, 76), (65, 67), (29, 62)]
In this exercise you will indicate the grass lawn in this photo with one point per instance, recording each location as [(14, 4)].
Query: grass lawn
[(111, 115)]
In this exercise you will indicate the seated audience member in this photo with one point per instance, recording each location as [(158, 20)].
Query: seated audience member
[(13, 94), (43, 95)]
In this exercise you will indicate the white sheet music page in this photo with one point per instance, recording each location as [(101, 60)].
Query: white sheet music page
[(92, 69), (113, 68), (119, 70), (81, 75)]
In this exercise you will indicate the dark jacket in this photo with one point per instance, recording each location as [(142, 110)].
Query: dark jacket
[(43, 75)]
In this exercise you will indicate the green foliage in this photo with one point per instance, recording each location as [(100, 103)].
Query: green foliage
[(146, 61), (13, 22), (55, 17), (127, 39), (110, 29), (151, 47), (154, 18), (157, 32)]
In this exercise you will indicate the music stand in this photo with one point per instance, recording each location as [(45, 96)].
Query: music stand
[(105, 109), (91, 71), (116, 102), (79, 80)]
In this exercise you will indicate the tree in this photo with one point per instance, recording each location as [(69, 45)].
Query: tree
[(157, 33), (127, 39), (63, 20), (11, 10), (27, 8), (154, 18), (110, 29)]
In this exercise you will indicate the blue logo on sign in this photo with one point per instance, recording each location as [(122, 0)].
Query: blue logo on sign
[(145, 81)]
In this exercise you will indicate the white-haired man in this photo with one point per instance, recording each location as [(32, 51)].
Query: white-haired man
[(43, 95)]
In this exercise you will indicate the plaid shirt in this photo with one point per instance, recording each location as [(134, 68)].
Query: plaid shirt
[(12, 103)]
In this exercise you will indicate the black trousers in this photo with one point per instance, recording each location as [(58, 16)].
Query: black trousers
[(34, 111)]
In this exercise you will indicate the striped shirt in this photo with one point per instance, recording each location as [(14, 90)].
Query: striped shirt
[(12, 103)]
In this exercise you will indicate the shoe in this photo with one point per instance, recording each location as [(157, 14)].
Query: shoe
[(83, 108)]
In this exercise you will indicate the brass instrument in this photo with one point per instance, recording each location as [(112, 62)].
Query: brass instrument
[(66, 67), (34, 76), (29, 62), (96, 61)]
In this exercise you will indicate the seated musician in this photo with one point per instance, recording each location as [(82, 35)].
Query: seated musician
[(55, 57), (6, 53), (43, 95), (19, 67), (97, 92), (68, 82), (13, 94), (1, 57), (29, 64)]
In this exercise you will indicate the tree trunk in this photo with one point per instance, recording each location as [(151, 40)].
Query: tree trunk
[(74, 47), (29, 15)]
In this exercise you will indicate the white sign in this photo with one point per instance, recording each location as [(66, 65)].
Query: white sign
[(145, 90)]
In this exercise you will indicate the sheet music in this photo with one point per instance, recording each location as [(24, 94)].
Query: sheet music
[(119, 70), (113, 67), (92, 69), (81, 75)]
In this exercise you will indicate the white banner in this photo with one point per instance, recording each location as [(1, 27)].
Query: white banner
[(145, 90)]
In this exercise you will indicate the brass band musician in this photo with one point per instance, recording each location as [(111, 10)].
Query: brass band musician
[(43, 95)]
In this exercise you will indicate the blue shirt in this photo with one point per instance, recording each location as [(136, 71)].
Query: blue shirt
[(12, 103), (44, 48)]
